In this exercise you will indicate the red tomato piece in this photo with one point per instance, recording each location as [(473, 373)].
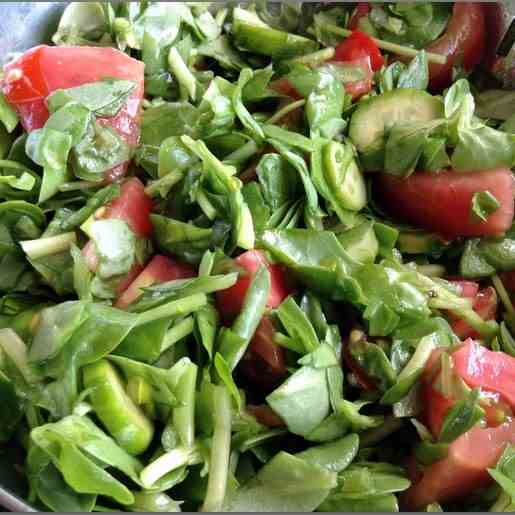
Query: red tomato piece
[(484, 304), (266, 416), (463, 470), (285, 87), (40, 71), (358, 46), (132, 206), (362, 10), (493, 371), (438, 405), (160, 270), (361, 376), (441, 202), (264, 363), (463, 43), (230, 301), (263, 345), (467, 289)]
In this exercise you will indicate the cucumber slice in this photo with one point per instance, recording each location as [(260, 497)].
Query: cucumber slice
[(374, 115), (122, 418), (344, 177), (250, 33), (360, 242)]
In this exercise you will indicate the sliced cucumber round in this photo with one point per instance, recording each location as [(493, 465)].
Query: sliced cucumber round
[(374, 115), (344, 177)]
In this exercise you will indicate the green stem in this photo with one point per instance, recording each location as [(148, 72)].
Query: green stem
[(167, 182), (372, 436), (177, 332), (174, 308), (243, 153), (48, 246), (79, 185), (286, 110), (320, 56), (220, 452), (169, 461), (389, 46), (503, 294)]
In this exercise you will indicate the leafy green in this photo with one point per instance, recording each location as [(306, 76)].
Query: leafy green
[(484, 204), (285, 483), (104, 97)]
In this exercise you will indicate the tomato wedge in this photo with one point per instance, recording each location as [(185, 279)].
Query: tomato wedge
[(230, 301), (463, 470), (40, 71), (358, 46), (264, 362), (494, 371), (484, 303), (133, 206), (441, 202), (463, 43), (160, 269)]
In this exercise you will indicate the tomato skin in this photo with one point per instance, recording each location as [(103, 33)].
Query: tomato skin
[(467, 289), (493, 371), (463, 470), (263, 345), (230, 301), (285, 87), (463, 43), (132, 206), (365, 382), (362, 9), (160, 269), (484, 303), (438, 405), (264, 362), (441, 202), (266, 416), (45, 69), (358, 46)]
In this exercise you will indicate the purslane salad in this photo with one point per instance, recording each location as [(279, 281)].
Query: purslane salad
[(260, 258)]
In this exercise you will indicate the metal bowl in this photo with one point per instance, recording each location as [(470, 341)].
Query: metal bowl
[(26, 24)]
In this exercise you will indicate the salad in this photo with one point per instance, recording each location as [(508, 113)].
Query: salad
[(260, 258)]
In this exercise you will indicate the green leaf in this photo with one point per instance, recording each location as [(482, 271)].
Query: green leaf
[(241, 111), (483, 148), (104, 97), (166, 120), (464, 415), (100, 150), (483, 205), (302, 401), (349, 412), (50, 148), (115, 246), (225, 374), (8, 115), (297, 324), (334, 456), (279, 180), (285, 483), (416, 75)]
